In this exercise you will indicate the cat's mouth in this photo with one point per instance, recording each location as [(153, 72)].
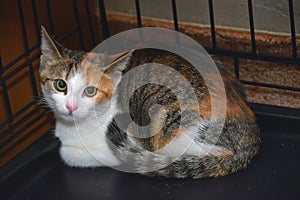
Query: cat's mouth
[(68, 116)]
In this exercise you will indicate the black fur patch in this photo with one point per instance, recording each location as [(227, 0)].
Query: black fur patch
[(115, 134)]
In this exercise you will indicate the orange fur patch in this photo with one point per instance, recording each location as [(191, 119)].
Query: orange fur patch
[(160, 139), (105, 88), (95, 77), (236, 106)]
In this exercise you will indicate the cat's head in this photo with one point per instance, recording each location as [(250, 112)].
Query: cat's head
[(74, 82)]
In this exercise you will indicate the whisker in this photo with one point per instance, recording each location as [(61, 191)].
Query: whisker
[(90, 117)]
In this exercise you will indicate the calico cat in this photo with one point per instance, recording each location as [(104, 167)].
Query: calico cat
[(85, 95)]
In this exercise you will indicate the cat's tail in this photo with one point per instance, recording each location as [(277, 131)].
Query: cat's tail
[(210, 165), (207, 166), (152, 164)]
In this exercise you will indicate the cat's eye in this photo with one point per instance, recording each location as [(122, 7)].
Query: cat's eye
[(90, 91), (60, 85)]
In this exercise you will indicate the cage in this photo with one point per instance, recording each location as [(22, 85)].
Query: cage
[(258, 41)]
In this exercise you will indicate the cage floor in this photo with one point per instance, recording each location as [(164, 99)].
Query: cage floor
[(273, 174)]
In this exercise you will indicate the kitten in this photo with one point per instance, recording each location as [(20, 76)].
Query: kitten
[(85, 95)]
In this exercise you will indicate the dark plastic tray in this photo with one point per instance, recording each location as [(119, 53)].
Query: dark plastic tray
[(273, 174)]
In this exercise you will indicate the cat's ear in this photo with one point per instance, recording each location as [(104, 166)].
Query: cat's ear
[(50, 48), (118, 66)]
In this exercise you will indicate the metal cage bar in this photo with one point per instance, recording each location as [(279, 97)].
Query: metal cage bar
[(36, 19), (212, 25), (23, 128), (293, 31), (24, 33), (7, 104), (252, 30), (33, 79), (88, 11), (175, 19), (236, 68), (78, 24), (49, 13), (138, 13), (104, 24)]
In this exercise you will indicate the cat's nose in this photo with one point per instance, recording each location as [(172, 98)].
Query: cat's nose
[(71, 107)]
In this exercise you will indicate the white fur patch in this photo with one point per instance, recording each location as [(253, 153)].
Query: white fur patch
[(82, 135), (186, 144)]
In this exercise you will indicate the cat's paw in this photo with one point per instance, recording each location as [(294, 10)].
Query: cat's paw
[(78, 157)]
